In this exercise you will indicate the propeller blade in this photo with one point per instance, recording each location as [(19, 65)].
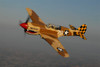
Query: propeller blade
[(25, 30), (28, 18)]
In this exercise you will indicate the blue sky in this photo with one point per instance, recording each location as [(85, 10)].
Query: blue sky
[(54, 11)]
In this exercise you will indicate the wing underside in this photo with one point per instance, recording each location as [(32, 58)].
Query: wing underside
[(55, 43)]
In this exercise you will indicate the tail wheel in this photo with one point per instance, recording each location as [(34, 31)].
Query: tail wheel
[(66, 32)]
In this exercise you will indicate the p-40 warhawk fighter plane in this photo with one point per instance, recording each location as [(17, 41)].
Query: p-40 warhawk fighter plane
[(50, 32)]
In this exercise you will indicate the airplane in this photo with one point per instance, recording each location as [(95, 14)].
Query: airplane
[(51, 32)]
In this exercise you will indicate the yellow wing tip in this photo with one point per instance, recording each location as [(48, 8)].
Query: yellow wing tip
[(67, 55), (29, 11), (27, 8), (64, 53)]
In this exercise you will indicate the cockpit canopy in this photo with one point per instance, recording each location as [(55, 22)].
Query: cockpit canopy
[(57, 27)]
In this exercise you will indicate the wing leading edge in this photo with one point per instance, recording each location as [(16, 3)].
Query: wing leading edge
[(55, 43)]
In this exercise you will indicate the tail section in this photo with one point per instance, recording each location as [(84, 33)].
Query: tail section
[(83, 37), (82, 30)]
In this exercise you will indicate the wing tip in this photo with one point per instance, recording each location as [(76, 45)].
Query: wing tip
[(66, 56), (29, 11)]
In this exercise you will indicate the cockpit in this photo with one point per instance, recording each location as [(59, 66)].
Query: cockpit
[(57, 27)]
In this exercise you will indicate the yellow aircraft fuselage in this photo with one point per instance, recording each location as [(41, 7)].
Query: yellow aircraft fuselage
[(39, 29)]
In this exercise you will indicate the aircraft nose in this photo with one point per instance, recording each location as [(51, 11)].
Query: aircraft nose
[(24, 25)]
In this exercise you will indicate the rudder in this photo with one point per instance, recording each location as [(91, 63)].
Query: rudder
[(83, 37), (82, 30)]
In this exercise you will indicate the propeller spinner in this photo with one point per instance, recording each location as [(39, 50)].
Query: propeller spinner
[(24, 25)]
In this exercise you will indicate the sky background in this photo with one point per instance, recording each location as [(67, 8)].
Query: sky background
[(18, 50)]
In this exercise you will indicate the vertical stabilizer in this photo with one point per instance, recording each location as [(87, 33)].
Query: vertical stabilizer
[(82, 30)]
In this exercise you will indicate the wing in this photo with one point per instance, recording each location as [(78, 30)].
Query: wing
[(55, 43), (35, 18)]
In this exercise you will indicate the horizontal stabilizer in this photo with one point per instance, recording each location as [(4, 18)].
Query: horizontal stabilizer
[(72, 27)]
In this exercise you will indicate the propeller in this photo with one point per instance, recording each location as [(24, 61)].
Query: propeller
[(28, 18), (25, 30), (24, 25)]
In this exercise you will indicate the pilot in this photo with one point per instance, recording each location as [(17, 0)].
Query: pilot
[(49, 25), (53, 26)]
